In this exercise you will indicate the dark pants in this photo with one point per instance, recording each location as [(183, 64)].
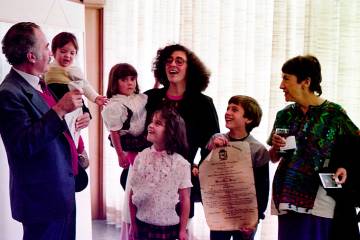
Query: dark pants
[(226, 235), (60, 229), (300, 226), (151, 232)]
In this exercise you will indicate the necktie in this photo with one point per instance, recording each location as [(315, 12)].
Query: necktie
[(42, 85), (51, 102)]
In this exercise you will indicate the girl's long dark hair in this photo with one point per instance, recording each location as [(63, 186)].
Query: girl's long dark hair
[(175, 131), (117, 72)]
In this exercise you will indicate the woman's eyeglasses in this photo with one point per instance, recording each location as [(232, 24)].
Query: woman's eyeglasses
[(179, 61)]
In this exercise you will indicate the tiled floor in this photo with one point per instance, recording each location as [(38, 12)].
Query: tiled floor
[(103, 231)]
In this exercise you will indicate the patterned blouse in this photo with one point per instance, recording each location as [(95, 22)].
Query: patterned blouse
[(296, 184), (155, 180)]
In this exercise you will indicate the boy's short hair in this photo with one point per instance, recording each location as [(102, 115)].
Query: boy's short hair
[(252, 110)]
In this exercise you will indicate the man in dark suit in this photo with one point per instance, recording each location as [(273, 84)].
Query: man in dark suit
[(33, 130)]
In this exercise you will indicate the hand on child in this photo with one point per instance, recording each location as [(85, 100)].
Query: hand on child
[(101, 100)]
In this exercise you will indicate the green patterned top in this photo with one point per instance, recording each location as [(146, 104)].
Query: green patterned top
[(296, 180)]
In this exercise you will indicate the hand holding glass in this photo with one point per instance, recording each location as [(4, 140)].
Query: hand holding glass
[(282, 132)]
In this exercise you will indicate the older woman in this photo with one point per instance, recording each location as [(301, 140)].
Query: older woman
[(304, 208)]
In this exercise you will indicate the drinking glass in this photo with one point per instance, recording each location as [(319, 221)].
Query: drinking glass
[(283, 132)]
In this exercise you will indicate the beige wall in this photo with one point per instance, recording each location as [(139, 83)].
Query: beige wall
[(53, 16)]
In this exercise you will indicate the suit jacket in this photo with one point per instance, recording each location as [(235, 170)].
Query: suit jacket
[(41, 176)]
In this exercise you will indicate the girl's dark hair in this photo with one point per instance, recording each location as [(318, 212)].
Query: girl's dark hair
[(62, 39), (197, 74), (18, 41), (252, 110), (304, 67), (117, 72), (175, 131)]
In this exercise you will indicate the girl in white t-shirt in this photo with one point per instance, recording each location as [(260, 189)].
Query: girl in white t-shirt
[(160, 179), (124, 114)]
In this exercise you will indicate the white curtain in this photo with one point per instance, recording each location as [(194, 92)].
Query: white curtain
[(244, 44)]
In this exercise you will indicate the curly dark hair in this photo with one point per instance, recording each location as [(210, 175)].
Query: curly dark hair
[(119, 71), (304, 67), (19, 41), (252, 110), (197, 74), (175, 131), (62, 39)]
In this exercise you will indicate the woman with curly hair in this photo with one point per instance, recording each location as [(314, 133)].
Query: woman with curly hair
[(184, 77)]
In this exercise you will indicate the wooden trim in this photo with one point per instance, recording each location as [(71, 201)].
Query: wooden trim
[(99, 4), (102, 205), (77, 1), (94, 70)]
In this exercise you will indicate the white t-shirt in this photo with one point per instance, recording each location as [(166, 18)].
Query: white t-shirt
[(155, 180)]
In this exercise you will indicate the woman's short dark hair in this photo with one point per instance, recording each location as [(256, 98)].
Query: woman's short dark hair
[(119, 71), (63, 38), (175, 131), (197, 74), (304, 67), (18, 42), (252, 110)]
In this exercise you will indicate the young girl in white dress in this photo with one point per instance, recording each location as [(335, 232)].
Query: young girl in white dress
[(160, 179), (124, 114)]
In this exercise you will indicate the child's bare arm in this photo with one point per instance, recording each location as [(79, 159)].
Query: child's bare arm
[(184, 212), (115, 139), (133, 227)]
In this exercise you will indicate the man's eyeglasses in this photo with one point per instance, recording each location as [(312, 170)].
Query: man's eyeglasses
[(179, 61)]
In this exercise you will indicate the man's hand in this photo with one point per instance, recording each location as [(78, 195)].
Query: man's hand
[(82, 121), (68, 103)]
